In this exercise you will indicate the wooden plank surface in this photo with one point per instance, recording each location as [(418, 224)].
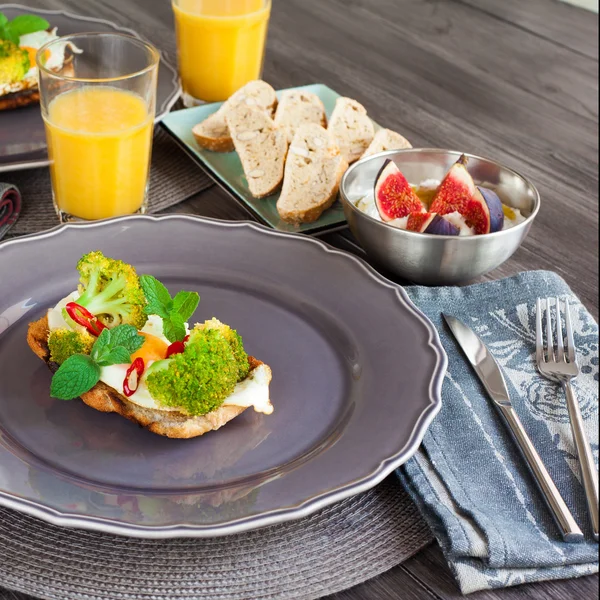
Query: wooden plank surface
[(513, 80)]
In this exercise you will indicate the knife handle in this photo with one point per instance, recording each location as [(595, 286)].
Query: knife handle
[(562, 515)]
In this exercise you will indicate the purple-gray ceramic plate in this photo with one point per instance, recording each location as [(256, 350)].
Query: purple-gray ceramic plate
[(357, 373), (22, 136)]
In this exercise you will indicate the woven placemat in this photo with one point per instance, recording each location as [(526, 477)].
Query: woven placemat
[(174, 177), (334, 549)]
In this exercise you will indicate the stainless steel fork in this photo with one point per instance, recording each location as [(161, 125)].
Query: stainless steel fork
[(558, 362)]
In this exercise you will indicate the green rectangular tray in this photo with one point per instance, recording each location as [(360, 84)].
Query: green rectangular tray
[(227, 168)]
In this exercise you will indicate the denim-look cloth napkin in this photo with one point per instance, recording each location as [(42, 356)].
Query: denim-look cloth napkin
[(468, 478)]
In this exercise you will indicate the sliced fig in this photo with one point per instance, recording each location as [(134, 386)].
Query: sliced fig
[(495, 209), (431, 223), (458, 193), (394, 196)]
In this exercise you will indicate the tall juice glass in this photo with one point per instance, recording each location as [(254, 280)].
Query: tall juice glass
[(220, 45), (99, 115)]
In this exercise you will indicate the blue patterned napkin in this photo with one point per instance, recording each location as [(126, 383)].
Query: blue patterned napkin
[(468, 478)]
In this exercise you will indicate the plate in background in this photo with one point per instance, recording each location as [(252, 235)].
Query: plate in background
[(22, 135), (226, 168)]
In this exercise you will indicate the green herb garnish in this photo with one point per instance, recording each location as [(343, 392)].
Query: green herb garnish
[(173, 311), (20, 25), (80, 373)]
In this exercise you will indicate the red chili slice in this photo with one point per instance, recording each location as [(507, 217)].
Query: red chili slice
[(175, 348), (133, 376), (82, 316)]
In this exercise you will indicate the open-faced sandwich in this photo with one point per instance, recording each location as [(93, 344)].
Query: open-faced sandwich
[(122, 344), (20, 40)]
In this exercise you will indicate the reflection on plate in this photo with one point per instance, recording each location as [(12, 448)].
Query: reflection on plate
[(22, 136), (357, 377)]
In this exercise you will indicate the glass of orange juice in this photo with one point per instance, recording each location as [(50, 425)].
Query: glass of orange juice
[(98, 108), (220, 45)]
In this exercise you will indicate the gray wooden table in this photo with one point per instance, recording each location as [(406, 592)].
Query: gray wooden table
[(514, 80)]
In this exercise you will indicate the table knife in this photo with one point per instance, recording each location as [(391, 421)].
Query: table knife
[(490, 374)]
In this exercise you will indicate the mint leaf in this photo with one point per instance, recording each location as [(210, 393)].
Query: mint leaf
[(128, 337), (115, 356), (157, 295), (115, 346), (8, 34), (101, 346), (174, 328), (3, 19), (24, 24), (185, 304), (77, 375)]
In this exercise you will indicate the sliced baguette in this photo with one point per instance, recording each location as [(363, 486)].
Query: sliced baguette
[(106, 399), (313, 172), (351, 128), (299, 108), (261, 146), (386, 139), (213, 133)]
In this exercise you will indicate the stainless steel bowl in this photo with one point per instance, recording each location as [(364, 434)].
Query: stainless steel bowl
[(436, 259)]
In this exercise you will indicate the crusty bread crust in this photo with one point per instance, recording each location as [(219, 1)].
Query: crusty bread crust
[(213, 133), (106, 399)]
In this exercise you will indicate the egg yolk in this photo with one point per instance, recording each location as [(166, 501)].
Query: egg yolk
[(153, 349), (32, 54)]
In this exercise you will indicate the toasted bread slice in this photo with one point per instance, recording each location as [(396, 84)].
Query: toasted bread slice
[(106, 399), (213, 133), (261, 146), (351, 128), (313, 172), (386, 139), (298, 108)]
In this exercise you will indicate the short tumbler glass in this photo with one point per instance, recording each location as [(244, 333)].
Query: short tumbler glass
[(98, 107)]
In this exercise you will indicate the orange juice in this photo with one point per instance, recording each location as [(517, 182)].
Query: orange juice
[(220, 45), (99, 141)]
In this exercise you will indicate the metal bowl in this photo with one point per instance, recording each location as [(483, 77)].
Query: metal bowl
[(437, 259)]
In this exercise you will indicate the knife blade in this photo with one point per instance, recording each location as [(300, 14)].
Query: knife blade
[(490, 374)]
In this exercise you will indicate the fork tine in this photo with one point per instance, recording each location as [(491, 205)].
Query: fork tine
[(539, 332), (560, 351), (570, 340), (549, 340)]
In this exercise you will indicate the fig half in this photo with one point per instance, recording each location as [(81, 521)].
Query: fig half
[(394, 196), (431, 223), (458, 193)]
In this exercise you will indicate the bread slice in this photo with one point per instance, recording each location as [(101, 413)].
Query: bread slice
[(261, 146), (351, 128), (106, 399), (213, 133), (313, 172), (297, 108), (386, 139)]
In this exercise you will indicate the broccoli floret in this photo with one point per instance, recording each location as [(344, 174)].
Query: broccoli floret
[(199, 379), (110, 289), (14, 62), (235, 341), (64, 343)]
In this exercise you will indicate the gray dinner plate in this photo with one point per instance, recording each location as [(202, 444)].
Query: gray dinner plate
[(357, 374), (22, 136)]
